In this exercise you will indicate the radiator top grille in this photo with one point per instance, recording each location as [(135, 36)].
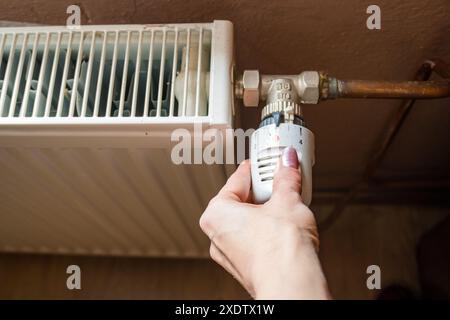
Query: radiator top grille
[(102, 72)]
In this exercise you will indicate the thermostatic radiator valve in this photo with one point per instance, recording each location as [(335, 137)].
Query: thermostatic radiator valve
[(282, 125)]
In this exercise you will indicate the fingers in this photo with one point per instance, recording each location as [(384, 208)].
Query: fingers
[(223, 215), (287, 178), (229, 202), (238, 185)]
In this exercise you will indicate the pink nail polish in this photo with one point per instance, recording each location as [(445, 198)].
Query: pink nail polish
[(289, 157)]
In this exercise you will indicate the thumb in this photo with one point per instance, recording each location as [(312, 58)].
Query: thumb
[(287, 178)]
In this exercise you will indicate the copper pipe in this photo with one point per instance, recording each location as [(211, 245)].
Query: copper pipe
[(393, 89), (332, 88)]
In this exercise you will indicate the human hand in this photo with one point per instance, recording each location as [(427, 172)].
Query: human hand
[(271, 249)]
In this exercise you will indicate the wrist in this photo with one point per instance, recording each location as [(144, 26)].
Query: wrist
[(293, 271)]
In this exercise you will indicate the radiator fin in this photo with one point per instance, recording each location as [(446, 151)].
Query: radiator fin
[(102, 73)]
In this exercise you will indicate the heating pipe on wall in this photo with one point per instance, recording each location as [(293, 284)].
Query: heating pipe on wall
[(332, 88)]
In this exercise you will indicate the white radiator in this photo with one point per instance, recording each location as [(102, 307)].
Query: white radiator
[(86, 118)]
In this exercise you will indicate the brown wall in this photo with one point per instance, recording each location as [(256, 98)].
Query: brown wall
[(44, 277)]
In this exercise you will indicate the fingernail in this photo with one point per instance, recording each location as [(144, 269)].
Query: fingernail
[(289, 157)]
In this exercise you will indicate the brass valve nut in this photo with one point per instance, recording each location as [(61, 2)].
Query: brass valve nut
[(309, 87), (251, 83)]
